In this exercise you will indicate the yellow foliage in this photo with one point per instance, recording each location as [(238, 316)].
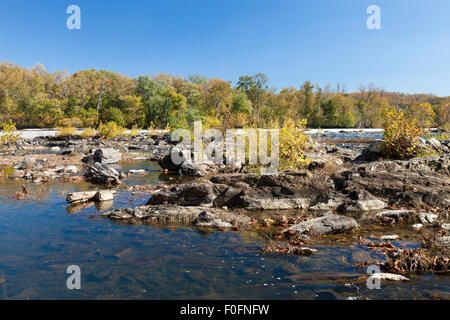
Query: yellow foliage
[(401, 135), (88, 132), (66, 131), (423, 113), (110, 130), (211, 122), (293, 143), (71, 122), (8, 134), (134, 132)]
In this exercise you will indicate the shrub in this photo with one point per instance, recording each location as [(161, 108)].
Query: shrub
[(293, 143), (8, 134), (110, 130), (401, 135), (88, 132), (70, 122), (113, 115), (66, 131), (134, 132)]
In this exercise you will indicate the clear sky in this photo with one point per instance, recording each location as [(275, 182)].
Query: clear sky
[(291, 41)]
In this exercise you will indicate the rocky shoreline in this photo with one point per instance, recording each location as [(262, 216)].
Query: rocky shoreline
[(337, 193)]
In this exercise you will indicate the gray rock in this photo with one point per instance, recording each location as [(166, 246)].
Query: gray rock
[(435, 144), (205, 219), (171, 214), (446, 226), (107, 156), (102, 174), (362, 201), (372, 153), (139, 172), (66, 151), (89, 196), (191, 194), (444, 241), (389, 237), (26, 163), (426, 217), (327, 224), (190, 169), (105, 195), (103, 156), (67, 169), (396, 214), (388, 276)]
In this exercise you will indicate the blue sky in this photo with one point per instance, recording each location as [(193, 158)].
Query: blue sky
[(291, 41)]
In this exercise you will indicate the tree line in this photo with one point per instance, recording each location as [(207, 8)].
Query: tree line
[(35, 98)]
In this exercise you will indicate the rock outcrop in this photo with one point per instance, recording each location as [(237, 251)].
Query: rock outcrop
[(102, 174), (327, 224), (104, 156), (171, 214)]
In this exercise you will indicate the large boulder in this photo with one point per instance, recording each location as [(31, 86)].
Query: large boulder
[(401, 183), (373, 152), (288, 190), (361, 201), (191, 194), (104, 156), (102, 174)]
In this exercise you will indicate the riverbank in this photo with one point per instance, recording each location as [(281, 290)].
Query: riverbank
[(394, 214)]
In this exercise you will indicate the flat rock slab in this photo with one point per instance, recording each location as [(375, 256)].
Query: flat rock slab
[(396, 214), (328, 224), (389, 237), (172, 214), (89, 196), (388, 276), (104, 156)]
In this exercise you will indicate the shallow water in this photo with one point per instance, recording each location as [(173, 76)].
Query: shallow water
[(40, 238)]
